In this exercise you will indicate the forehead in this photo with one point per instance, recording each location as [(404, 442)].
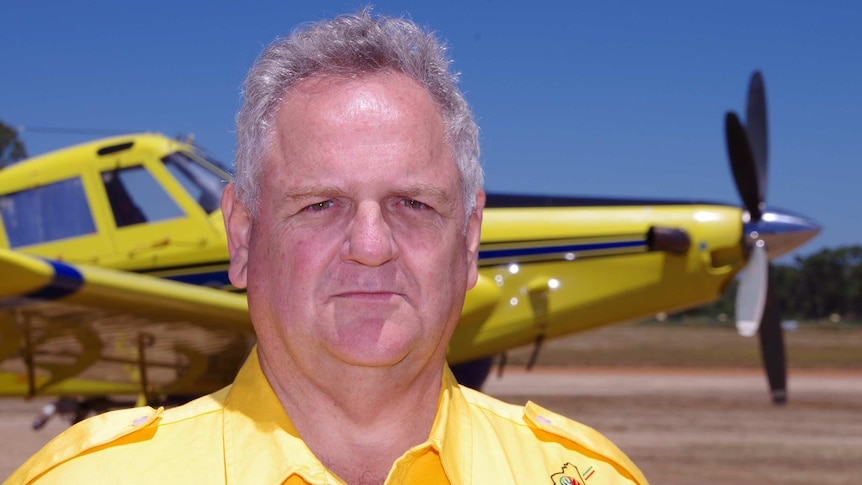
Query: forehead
[(332, 126), (334, 111), (376, 97)]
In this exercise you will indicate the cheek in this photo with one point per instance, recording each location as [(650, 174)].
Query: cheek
[(292, 265), (268, 260), (440, 261)]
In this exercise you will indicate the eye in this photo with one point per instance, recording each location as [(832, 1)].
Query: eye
[(319, 206), (414, 204)]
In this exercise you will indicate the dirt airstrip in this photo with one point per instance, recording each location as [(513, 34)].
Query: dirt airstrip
[(711, 426), (680, 424)]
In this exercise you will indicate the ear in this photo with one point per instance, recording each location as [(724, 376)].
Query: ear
[(474, 235), (237, 224)]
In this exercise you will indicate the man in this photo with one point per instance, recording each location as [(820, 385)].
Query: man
[(354, 224)]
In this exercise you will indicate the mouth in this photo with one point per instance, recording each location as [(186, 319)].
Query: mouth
[(370, 296)]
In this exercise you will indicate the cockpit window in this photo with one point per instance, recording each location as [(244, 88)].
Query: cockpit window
[(55, 211), (136, 197), (202, 179)]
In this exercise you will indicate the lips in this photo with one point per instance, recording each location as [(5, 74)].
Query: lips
[(384, 295), (379, 284)]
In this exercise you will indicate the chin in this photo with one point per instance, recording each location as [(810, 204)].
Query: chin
[(376, 352)]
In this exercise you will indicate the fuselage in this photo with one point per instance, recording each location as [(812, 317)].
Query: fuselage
[(548, 266)]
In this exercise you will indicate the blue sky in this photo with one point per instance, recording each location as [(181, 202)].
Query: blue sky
[(574, 98)]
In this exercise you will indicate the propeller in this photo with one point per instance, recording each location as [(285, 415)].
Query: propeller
[(756, 308)]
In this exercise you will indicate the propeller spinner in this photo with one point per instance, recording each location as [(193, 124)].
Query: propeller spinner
[(767, 234)]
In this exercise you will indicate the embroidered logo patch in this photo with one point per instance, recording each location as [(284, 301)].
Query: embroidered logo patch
[(570, 475)]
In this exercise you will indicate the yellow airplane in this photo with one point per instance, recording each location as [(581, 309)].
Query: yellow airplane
[(113, 263)]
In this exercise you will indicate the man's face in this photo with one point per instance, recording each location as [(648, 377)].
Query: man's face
[(358, 253)]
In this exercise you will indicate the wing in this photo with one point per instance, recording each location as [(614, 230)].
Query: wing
[(73, 329)]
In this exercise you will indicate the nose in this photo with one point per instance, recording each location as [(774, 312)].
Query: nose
[(369, 237)]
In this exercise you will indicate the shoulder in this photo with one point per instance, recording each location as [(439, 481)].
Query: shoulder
[(112, 434), (533, 427), (534, 417)]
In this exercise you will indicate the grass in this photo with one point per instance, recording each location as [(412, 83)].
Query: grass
[(699, 343)]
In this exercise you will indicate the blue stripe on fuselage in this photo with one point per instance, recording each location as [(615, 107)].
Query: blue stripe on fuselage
[(67, 280), (216, 279), (567, 248)]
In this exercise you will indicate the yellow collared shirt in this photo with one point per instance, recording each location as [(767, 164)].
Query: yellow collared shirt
[(241, 434)]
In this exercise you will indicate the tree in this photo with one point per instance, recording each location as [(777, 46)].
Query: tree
[(825, 279), (851, 275), (11, 148), (817, 286), (784, 280)]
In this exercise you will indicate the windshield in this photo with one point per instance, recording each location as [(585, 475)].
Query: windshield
[(203, 179)]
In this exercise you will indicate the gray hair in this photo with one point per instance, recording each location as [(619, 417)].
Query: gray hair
[(351, 45)]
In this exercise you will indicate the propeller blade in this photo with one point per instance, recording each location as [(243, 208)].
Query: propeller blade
[(772, 350), (756, 307), (752, 291), (756, 128), (744, 168)]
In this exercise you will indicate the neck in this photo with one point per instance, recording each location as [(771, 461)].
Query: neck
[(358, 421)]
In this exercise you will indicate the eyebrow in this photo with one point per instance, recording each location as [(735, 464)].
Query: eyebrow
[(436, 195), (312, 191), (426, 190)]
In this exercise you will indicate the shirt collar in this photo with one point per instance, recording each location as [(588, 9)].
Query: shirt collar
[(451, 434), (262, 445)]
